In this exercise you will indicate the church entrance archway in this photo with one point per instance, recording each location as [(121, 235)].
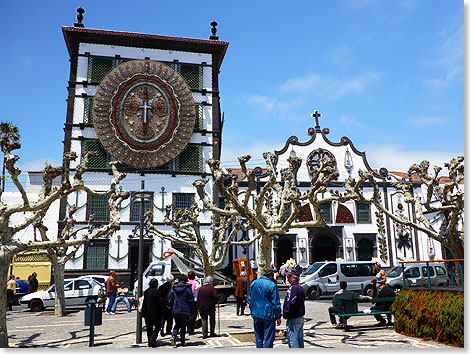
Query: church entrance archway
[(365, 250), (323, 248), (283, 250)]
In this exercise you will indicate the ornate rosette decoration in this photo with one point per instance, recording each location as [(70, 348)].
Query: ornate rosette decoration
[(143, 113), (313, 160)]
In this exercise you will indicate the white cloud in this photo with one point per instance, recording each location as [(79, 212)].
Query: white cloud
[(428, 121), (331, 88), (265, 103), (230, 155), (348, 121), (37, 165), (395, 158), (274, 108), (448, 58)]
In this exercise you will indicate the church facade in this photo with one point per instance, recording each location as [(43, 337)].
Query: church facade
[(153, 103), (355, 231)]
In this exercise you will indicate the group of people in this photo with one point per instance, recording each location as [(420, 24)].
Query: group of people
[(33, 286), (384, 290), (180, 302)]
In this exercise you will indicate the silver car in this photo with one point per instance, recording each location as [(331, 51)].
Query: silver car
[(416, 275)]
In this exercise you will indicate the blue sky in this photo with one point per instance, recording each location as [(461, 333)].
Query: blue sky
[(387, 74)]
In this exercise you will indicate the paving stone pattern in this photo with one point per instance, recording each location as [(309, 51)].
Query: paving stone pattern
[(29, 329)]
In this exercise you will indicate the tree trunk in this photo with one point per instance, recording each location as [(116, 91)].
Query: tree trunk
[(59, 305), (5, 258), (264, 253), (3, 175)]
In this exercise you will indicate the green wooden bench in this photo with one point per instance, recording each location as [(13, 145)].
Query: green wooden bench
[(345, 315)]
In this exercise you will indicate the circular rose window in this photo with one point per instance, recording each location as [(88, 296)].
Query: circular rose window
[(143, 113)]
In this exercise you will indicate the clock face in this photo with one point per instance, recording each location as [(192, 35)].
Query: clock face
[(144, 113)]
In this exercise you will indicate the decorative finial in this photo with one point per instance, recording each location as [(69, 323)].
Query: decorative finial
[(316, 115), (80, 11), (214, 31)]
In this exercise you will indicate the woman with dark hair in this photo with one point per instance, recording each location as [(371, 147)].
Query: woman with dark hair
[(152, 311), (181, 308)]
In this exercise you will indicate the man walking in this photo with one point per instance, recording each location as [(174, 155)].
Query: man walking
[(152, 311), (167, 316), (206, 301), (33, 283), (240, 293), (111, 290), (265, 307), (11, 291), (294, 311)]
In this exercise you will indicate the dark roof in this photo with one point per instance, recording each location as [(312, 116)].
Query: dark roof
[(238, 172), (75, 35)]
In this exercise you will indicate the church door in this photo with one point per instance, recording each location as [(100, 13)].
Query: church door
[(365, 250), (323, 249), (284, 252), (134, 260)]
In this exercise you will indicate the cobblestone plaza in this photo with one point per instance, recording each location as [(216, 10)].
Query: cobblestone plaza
[(29, 329)]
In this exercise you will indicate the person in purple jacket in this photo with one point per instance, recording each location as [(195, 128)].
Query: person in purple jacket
[(294, 311)]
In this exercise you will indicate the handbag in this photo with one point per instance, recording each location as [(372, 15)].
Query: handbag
[(141, 302)]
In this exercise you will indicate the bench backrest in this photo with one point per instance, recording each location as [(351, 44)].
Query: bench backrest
[(356, 301)]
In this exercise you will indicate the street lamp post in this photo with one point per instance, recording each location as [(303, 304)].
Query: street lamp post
[(143, 195)]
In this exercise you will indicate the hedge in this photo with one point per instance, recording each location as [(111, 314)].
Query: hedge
[(431, 315)]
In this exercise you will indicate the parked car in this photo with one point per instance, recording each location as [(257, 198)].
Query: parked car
[(77, 292), (98, 277), (21, 290), (323, 278), (416, 275)]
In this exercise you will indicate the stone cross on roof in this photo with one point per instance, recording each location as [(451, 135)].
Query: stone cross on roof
[(316, 115)]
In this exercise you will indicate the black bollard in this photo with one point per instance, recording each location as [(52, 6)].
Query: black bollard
[(91, 341), (93, 317)]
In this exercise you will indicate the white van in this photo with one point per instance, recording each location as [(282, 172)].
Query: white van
[(323, 278), (159, 269)]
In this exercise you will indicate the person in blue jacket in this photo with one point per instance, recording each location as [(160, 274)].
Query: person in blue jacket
[(294, 311), (265, 307), (181, 308)]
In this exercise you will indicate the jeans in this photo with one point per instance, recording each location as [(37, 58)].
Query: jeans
[(295, 332), (112, 298), (181, 321), (121, 298), (265, 331), (192, 318), (211, 315)]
